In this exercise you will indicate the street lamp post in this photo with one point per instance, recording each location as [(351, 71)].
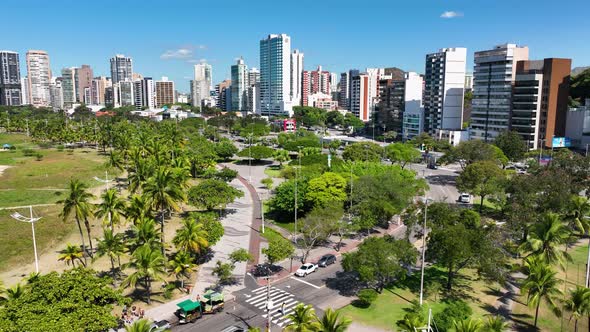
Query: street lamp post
[(262, 211), (32, 220), (250, 158), (296, 184), (423, 250), (269, 304)]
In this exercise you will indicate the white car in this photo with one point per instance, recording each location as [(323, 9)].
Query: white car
[(306, 269), (465, 198)]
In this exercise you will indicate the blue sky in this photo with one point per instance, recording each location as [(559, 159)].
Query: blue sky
[(165, 38)]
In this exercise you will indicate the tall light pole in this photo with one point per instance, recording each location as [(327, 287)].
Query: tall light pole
[(423, 245), (249, 158), (296, 184), (262, 211), (269, 304), (32, 220)]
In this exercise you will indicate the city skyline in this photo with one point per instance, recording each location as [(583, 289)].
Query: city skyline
[(174, 46)]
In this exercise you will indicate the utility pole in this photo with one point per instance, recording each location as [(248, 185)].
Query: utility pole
[(262, 211), (423, 246), (296, 184)]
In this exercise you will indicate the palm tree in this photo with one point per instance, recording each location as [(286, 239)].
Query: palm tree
[(164, 193), (578, 304), (411, 323), (112, 245), (142, 325), (15, 292), (545, 239), (149, 265), (541, 284), (139, 208), (78, 201), (181, 266), (145, 233), (111, 209), (495, 324), (467, 325), (115, 160), (2, 291), (332, 322), (70, 254), (191, 237), (303, 319), (32, 278)]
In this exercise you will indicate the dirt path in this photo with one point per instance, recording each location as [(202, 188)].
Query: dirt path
[(2, 168)]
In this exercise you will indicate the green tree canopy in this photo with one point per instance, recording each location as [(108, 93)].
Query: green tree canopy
[(402, 153), (76, 300), (512, 144), (278, 249), (257, 152), (329, 187), (482, 178), (380, 260), (211, 194), (362, 151)]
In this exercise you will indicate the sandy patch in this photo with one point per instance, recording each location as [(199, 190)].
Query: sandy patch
[(2, 168)]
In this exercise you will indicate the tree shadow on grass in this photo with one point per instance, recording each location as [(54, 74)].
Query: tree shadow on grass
[(520, 324)]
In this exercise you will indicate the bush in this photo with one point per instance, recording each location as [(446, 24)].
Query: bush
[(60, 147), (38, 156), (456, 310), (168, 291), (367, 296), (28, 152), (45, 145)]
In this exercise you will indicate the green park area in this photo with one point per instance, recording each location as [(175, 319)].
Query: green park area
[(34, 180)]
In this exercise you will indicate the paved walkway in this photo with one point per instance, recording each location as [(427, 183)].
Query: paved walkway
[(237, 224)]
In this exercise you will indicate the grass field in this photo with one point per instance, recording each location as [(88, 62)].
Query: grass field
[(394, 302), (16, 243), (31, 181), (576, 274)]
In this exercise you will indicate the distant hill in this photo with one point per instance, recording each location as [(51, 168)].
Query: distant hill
[(578, 70), (396, 73), (580, 86)]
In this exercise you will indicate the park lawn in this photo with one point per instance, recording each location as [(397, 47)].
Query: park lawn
[(24, 197), (16, 243), (273, 171), (18, 140), (394, 302), (270, 234), (54, 171), (576, 275)]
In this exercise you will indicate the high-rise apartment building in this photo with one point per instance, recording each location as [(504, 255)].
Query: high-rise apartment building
[(68, 85), (39, 78), (84, 76), (314, 81), (296, 76), (24, 86), (275, 75), (444, 89), (97, 90), (360, 99), (55, 90), (540, 100), (121, 68), (239, 87), (413, 118), (201, 85), (204, 72), (254, 90), (493, 80), (125, 92), (223, 92), (164, 92), (10, 84), (344, 100)]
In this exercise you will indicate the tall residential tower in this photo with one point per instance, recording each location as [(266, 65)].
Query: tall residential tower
[(275, 75), (39, 78), (10, 86)]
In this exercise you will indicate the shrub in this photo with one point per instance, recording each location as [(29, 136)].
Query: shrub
[(168, 291), (38, 156), (367, 296), (60, 147), (456, 310), (28, 152), (45, 145)]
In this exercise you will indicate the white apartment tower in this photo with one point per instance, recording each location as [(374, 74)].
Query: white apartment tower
[(239, 87), (68, 86), (201, 85), (444, 89), (296, 76), (413, 119), (39, 78), (121, 68), (275, 75), (493, 80)]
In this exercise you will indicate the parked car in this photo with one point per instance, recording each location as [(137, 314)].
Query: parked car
[(306, 269), (161, 324), (465, 198), (326, 260), (234, 328)]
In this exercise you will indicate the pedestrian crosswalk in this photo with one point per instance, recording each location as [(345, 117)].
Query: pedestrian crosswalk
[(278, 297)]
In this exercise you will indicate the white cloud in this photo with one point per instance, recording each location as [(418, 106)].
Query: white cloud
[(181, 53), (196, 60), (451, 14)]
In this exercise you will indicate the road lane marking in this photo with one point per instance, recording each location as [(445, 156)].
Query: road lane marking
[(305, 282)]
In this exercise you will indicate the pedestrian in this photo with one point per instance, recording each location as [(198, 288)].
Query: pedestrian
[(283, 308)]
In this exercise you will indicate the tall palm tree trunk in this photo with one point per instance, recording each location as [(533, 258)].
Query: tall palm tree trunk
[(162, 229), (82, 237), (87, 224), (148, 285), (537, 312)]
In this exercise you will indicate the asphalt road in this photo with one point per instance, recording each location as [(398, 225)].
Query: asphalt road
[(322, 288), (442, 181)]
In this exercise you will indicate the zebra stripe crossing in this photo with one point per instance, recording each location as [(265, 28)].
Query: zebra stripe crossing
[(278, 297)]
